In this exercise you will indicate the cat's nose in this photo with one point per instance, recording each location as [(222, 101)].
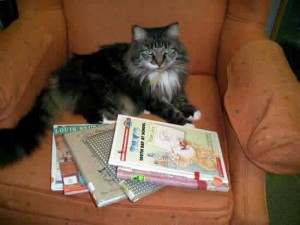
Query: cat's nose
[(159, 60)]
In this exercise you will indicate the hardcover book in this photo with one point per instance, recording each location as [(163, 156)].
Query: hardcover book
[(73, 182), (173, 150), (58, 130), (103, 188), (99, 144)]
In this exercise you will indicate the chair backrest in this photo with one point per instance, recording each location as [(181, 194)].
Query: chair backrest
[(92, 23)]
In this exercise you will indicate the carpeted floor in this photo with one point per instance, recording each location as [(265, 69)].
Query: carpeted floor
[(283, 196)]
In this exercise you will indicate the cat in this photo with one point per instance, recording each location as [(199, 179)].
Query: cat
[(124, 78)]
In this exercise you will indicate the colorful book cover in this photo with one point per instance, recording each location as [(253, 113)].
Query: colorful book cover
[(73, 182), (56, 176), (103, 188), (161, 147)]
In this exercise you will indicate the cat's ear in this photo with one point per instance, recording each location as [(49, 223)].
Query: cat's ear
[(173, 30), (138, 33)]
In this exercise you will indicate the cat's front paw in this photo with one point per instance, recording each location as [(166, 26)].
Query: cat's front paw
[(195, 116), (107, 121), (189, 125)]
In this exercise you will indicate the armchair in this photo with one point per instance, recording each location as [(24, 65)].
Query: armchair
[(239, 80)]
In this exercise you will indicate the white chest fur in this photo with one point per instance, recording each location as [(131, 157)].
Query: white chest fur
[(166, 83)]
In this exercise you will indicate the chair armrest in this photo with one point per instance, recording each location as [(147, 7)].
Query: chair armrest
[(262, 102), (244, 23), (31, 48), (22, 46)]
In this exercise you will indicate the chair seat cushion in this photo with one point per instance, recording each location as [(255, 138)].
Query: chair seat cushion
[(25, 186)]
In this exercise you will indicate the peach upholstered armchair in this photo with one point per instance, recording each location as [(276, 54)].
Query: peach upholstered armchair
[(240, 80)]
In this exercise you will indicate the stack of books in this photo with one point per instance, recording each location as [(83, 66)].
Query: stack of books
[(133, 158)]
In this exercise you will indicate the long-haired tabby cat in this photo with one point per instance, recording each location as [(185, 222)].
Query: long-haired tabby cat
[(147, 74)]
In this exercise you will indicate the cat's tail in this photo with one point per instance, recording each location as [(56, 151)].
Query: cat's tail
[(25, 137)]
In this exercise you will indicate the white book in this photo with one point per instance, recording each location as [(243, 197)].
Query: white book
[(161, 147)]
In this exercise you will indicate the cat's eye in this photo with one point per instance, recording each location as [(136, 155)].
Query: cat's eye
[(169, 51), (149, 52)]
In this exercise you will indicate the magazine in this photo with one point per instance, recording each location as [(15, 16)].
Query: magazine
[(56, 177), (160, 147)]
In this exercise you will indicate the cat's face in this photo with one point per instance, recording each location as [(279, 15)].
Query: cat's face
[(157, 49)]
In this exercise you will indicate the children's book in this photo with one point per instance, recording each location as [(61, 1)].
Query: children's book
[(56, 176), (73, 182), (147, 145), (170, 180), (103, 188), (99, 144)]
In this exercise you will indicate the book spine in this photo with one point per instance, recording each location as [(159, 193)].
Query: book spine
[(56, 179), (168, 172), (144, 176)]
